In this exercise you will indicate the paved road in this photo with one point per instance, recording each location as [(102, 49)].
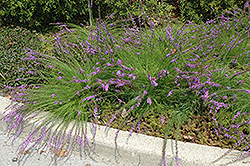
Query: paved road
[(8, 153)]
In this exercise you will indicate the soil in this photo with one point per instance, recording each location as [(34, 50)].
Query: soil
[(198, 129)]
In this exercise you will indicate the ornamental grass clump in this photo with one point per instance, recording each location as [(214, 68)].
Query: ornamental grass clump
[(77, 83), (174, 73)]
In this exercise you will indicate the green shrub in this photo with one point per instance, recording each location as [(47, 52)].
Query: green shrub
[(13, 44), (148, 9), (39, 13), (202, 10)]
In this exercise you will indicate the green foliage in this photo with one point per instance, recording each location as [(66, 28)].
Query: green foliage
[(149, 8), (13, 44), (39, 13), (202, 10)]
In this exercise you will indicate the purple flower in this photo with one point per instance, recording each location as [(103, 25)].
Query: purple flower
[(119, 62), (169, 93), (134, 77), (168, 55), (108, 64), (226, 76), (106, 87), (248, 91), (99, 80), (162, 119), (149, 101), (144, 93), (59, 78), (80, 71), (111, 15), (53, 95), (154, 83), (79, 113), (118, 72), (127, 40), (50, 66)]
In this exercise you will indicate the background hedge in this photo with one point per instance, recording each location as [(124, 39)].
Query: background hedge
[(202, 10), (37, 14)]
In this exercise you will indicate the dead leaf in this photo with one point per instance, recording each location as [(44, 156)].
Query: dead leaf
[(25, 152), (124, 112), (187, 137), (60, 153), (42, 151), (173, 51)]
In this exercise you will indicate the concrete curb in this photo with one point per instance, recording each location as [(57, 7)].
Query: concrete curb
[(143, 150)]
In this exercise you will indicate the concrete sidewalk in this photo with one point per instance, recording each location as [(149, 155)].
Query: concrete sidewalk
[(136, 150)]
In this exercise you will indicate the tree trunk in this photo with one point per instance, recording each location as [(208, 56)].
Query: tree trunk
[(90, 16)]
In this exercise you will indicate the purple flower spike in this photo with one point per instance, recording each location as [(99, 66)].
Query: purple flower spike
[(162, 119), (50, 66), (79, 113), (108, 64), (106, 87), (53, 95), (59, 78), (118, 72), (144, 93), (149, 101), (80, 71), (169, 93), (111, 15), (154, 83), (119, 62), (248, 91)]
